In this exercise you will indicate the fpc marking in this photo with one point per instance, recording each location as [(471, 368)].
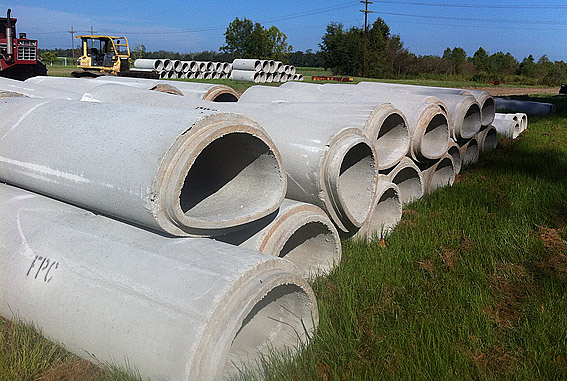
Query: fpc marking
[(44, 266)]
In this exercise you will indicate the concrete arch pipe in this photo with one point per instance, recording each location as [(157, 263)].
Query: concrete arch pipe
[(426, 120), (455, 152), (168, 308), (470, 151), (487, 138), (409, 179), (145, 63), (299, 232), (179, 179), (248, 64), (11, 87), (462, 109), (386, 212), (339, 165), (440, 173)]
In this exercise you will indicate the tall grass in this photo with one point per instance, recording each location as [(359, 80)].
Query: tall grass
[(471, 284)]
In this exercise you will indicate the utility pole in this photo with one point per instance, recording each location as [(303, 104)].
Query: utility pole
[(92, 31), (366, 12), (72, 31)]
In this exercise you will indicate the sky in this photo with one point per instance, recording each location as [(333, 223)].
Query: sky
[(426, 27)]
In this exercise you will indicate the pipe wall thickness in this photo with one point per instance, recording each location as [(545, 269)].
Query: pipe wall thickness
[(164, 169), (168, 308), (407, 176)]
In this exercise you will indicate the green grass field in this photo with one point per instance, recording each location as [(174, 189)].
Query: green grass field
[(472, 284)]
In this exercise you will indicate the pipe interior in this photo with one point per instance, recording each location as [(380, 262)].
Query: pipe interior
[(491, 139), (488, 110), (455, 153), (386, 215), (277, 322), (471, 153), (471, 121), (436, 137), (226, 97), (409, 183), (236, 175), (444, 175), (356, 180), (392, 141), (313, 248)]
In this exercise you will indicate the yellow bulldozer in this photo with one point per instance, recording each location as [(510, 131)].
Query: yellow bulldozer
[(106, 55)]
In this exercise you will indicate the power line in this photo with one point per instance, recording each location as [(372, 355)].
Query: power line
[(366, 12), (72, 31), (498, 21), (473, 5)]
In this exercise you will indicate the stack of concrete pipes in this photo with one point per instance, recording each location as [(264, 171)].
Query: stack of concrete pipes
[(106, 207), (511, 125), (263, 71), (185, 69)]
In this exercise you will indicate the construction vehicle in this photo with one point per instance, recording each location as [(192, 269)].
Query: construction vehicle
[(106, 55), (18, 56)]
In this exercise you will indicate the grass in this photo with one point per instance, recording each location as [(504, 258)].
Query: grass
[(472, 284)]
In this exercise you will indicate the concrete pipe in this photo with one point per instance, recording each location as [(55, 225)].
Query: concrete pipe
[(407, 176), (177, 66), (463, 110), (273, 66), (292, 70), (425, 119), (269, 78), (299, 232), (163, 168), (249, 76), (248, 64), (208, 75), (527, 107), (167, 65), (440, 173), (280, 68), (485, 101), (172, 74), (193, 66), (507, 125), (227, 68), (287, 69), (163, 74), (185, 67), (386, 212), (167, 308), (487, 138), (184, 75), (470, 151), (144, 63), (522, 121), (277, 77), (217, 67), (11, 87), (193, 90), (266, 66), (284, 77), (455, 152), (338, 166)]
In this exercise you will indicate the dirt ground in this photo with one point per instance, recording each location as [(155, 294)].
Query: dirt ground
[(497, 91)]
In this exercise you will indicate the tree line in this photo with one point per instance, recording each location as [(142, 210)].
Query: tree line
[(342, 51)]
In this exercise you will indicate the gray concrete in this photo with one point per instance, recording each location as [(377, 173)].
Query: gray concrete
[(407, 176), (529, 108), (386, 212), (523, 121), (507, 124), (168, 308), (145, 63), (470, 151), (186, 172), (329, 165), (299, 232), (11, 87), (250, 64), (248, 76), (487, 138), (463, 109), (426, 120), (438, 174), (455, 152)]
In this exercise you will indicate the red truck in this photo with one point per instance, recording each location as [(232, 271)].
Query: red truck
[(18, 56)]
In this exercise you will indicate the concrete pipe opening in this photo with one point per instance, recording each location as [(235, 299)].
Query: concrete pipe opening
[(471, 121), (226, 175), (455, 153), (487, 111), (268, 328), (470, 152), (314, 248), (443, 175), (435, 138), (410, 184), (385, 215), (351, 179), (393, 140), (490, 139)]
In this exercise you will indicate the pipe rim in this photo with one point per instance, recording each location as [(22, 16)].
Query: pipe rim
[(185, 211), (443, 174), (385, 215), (211, 360), (409, 179), (469, 116), (344, 191), (387, 128), (430, 139), (487, 110), (455, 153)]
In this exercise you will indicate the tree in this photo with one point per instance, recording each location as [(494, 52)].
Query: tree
[(245, 39), (480, 60), (457, 59), (139, 51), (49, 57)]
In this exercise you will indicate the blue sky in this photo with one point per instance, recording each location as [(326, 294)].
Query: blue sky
[(528, 27)]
